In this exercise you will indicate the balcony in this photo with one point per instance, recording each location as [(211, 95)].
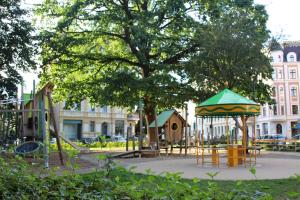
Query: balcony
[(133, 117)]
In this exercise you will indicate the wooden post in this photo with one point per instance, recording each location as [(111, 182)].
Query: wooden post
[(127, 139), (22, 107), (244, 139), (141, 126), (181, 139), (43, 123), (196, 141), (156, 130), (202, 140), (33, 113), (133, 138), (55, 129), (186, 129), (228, 140), (254, 140)]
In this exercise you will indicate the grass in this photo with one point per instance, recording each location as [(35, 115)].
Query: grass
[(279, 189)]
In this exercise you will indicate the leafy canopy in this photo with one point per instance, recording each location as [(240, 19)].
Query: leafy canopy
[(233, 54), (16, 46), (116, 52)]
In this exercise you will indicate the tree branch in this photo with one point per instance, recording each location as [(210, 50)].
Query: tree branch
[(174, 59)]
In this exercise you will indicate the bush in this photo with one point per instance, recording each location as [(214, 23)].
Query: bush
[(108, 182)]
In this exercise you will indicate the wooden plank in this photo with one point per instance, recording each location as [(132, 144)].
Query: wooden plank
[(55, 130)]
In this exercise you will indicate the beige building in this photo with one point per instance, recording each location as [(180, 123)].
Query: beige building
[(88, 121)]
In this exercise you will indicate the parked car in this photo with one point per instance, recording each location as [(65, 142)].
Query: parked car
[(271, 137), (89, 140), (296, 137), (118, 138)]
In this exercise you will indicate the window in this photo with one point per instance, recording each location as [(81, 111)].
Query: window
[(104, 128), (291, 57), (279, 58), (92, 107), (174, 126), (279, 74), (265, 128), (275, 110), (281, 90), (92, 126), (274, 91), (104, 109), (264, 112), (273, 74), (295, 109), (293, 91), (293, 74), (119, 127), (282, 110), (279, 129), (74, 106)]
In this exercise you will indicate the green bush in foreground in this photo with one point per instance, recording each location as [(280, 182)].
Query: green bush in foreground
[(109, 182)]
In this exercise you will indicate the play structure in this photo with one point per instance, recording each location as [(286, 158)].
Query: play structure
[(34, 119), (227, 104), (171, 131)]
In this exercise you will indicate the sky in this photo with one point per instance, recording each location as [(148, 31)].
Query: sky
[(283, 22), (284, 18)]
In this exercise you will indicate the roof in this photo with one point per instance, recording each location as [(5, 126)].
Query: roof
[(227, 103), (291, 43), (226, 97), (26, 97), (162, 118)]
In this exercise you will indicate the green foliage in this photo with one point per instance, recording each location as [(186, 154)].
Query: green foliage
[(165, 52), (252, 170), (212, 174), (112, 182), (16, 46), (234, 54)]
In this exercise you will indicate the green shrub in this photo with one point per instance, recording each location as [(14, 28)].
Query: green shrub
[(108, 182)]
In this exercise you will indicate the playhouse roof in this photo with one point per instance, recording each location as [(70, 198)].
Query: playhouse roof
[(26, 97), (162, 118)]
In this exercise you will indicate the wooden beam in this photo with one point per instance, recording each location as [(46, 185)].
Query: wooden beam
[(55, 128)]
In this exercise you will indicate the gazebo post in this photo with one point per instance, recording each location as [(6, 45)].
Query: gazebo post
[(244, 139), (227, 137), (202, 141), (254, 140), (197, 139)]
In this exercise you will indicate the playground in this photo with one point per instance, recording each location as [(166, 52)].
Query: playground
[(169, 152), (271, 165)]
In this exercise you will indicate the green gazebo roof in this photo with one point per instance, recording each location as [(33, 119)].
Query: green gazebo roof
[(227, 103), (162, 118), (227, 97)]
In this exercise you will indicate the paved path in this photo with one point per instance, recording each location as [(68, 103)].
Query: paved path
[(271, 165)]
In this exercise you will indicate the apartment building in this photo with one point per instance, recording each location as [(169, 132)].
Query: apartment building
[(85, 120), (282, 117)]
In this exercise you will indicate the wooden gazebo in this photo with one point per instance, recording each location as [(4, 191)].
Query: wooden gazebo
[(228, 104)]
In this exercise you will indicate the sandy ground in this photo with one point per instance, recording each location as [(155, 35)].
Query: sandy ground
[(270, 165)]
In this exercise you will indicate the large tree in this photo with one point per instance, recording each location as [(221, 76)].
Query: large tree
[(16, 46), (117, 52), (235, 54)]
